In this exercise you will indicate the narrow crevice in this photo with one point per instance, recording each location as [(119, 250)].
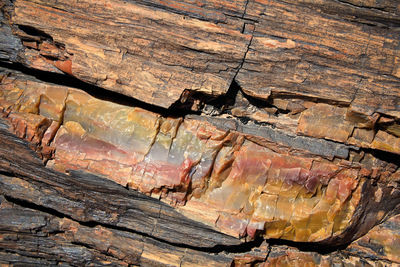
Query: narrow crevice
[(287, 95), (385, 156), (242, 248), (245, 9), (218, 105), (93, 90), (308, 246), (190, 102), (245, 53), (32, 31)]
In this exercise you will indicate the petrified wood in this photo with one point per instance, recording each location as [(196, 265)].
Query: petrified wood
[(81, 219), (208, 132)]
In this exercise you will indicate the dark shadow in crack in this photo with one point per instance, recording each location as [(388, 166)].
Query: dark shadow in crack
[(93, 90), (308, 246)]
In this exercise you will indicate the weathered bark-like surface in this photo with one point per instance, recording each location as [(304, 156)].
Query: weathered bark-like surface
[(81, 219), (241, 121), (328, 50), (382, 242), (108, 44)]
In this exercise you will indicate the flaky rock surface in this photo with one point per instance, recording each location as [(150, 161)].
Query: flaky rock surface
[(267, 131)]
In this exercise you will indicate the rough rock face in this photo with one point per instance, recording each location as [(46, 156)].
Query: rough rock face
[(264, 120), (177, 61)]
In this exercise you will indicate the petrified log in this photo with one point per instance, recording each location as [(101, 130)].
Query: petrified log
[(84, 219), (253, 127)]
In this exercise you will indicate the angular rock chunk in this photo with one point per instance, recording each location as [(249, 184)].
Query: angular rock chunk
[(325, 121)]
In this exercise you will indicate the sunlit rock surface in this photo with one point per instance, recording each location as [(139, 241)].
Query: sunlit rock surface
[(276, 122), (115, 54), (241, 184)]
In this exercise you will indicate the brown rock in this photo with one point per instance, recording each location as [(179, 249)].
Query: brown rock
[(148, 52), (387, 142), (284, 256), (314, 49), (325, 121), (296, 138)]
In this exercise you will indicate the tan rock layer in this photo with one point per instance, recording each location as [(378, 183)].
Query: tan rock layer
[(286, 256)]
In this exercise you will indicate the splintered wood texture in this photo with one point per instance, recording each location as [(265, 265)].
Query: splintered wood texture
[(382, 242), (343, 52), (289, 55), (86, 219), (231, 180), (329, 50), (33, 237), (150, 51)]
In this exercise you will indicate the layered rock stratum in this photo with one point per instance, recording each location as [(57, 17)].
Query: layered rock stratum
[(244, 133)]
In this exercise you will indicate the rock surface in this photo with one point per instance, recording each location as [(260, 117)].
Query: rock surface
[(264, 120)]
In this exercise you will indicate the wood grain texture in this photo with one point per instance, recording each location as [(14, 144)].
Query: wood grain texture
[(76, 210), (320, 49), (296, 137), (344, 52), (10, 45), (152, 51), (241, 179)]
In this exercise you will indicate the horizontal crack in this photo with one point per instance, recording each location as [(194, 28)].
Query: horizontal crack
[(308, 246), (93, 90)]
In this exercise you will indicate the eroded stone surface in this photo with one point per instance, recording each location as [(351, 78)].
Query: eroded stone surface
[(325, 121), (329, 50), (145, 51), (313, 157), (215, 175)]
